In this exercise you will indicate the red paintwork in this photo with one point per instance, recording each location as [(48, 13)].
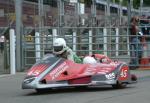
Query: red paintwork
[(83, 80), (124, 73), (36, 70), (69, 70)]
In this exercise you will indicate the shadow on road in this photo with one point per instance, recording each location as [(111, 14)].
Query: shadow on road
[(75, 90)]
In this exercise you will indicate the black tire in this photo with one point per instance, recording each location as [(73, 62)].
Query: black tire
[(82, 87), (119, 85), (133, 78), (42, 90)]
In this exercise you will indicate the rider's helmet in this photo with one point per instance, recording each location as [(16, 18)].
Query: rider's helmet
[(89, 60), (59, 46)]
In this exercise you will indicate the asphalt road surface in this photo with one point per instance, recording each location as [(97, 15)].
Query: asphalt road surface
[(11, 92)]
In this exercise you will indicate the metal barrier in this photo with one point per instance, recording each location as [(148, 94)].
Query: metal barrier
[(113, 42), (87, 30), (4, 55), (96, 27)]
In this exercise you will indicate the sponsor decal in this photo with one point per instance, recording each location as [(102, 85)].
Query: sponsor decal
[(110, 76), (60, 69)]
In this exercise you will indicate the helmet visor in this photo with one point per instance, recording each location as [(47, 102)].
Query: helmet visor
[(58, 48)]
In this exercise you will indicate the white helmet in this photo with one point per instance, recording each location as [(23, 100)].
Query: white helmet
[(89, 60), (59, 46)]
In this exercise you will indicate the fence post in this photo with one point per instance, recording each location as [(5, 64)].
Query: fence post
[(117, 41), (74, 41), (90, 42), (12, 51), (105, 40), (54, 34), (128, 42), (37, 46)]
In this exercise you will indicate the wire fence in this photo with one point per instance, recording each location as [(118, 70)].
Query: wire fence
[(96, 28), (114, 44)]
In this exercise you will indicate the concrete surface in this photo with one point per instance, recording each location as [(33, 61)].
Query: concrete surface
[(1, 63), (11, 92), (141, 73)]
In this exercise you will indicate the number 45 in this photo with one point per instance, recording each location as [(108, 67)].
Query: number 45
[(123, 73)]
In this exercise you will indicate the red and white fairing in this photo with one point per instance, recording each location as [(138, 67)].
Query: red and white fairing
[(53, 72)]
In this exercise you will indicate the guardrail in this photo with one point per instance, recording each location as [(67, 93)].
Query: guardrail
[(113, 42)]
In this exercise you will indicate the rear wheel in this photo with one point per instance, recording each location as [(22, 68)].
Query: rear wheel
[(119, 85)]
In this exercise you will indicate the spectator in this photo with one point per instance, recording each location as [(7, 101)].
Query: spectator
[(135, 43), (144, 23), (148, 25)]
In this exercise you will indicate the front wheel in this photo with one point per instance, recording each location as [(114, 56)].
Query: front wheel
[(119, 85)]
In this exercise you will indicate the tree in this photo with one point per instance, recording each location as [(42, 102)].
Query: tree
[(88, 2), (124, 2), (136, 4), (146, 3)]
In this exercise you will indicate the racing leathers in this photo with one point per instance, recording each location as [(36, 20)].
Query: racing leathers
[(70, 55)]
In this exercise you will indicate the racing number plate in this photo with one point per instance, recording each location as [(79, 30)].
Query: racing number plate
[(124, 74)]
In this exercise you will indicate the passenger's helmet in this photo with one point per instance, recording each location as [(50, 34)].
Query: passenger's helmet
[(59, 46), (89, 60)]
